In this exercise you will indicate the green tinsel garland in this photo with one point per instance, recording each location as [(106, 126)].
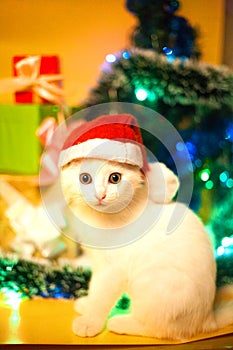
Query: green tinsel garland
[(185, 83), (30, 279)]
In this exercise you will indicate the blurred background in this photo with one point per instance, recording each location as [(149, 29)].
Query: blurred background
[(82, 33)]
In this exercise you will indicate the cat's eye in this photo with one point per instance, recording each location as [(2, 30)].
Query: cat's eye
[(115, 178), (85, 178)]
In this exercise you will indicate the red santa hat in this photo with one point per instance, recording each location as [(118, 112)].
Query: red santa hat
[(110, 137), (118, 138)]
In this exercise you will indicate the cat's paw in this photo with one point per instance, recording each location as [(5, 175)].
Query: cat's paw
[(125, 324), (81, 304), (87, 327)]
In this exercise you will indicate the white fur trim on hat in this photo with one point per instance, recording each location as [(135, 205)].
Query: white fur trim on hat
[(123, 152), (163, 183)]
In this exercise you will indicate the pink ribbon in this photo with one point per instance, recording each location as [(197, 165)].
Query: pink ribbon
[(52, 137)]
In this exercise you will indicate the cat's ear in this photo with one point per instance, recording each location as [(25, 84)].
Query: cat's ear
[(163, 183)]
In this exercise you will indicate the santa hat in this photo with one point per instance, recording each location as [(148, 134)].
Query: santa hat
[(118, 138)]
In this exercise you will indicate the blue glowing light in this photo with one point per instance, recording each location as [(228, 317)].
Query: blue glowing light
[(223, 176), (229, 133), (167, 50), (229, 183), (126, 55), (191, 147), (198, 163), (220, 251), (180, 146)]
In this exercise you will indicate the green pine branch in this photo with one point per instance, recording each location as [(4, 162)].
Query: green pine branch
[(187, 83)]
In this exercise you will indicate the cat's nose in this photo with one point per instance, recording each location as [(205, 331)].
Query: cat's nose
[(100, 196)]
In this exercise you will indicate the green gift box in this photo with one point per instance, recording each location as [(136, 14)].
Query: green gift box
[(20, 148)]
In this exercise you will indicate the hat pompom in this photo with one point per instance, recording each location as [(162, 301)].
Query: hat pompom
[(163, 183)]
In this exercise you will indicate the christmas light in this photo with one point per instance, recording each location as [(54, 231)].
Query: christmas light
[(126, 55), (226, 247), (223, 176), (151, 96), (141, 94), (12, 298), (220, 251), (229, 183), (229, 133), (9, 268), (227, 241), (110, 58), (168, 51), (209, 185), (191, 147), (180, 146), (204, 175)]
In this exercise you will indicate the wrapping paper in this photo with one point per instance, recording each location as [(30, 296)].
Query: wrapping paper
[(34, 67), (20, 147)]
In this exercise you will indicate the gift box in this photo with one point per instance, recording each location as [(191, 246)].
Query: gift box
[(47, 65), (20, 147)]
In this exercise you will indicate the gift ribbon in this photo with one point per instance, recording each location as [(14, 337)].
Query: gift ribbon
[(46, 131), (29, 78), (52, 136)]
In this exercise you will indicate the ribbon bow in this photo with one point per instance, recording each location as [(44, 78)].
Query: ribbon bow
[(28, 70)]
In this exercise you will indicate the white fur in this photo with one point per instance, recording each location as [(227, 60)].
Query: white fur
[(163, 183), (170, 278)]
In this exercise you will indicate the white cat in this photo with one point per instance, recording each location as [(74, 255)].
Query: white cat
[(170, 278)]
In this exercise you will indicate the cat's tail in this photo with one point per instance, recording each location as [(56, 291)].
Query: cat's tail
[(223, 312)]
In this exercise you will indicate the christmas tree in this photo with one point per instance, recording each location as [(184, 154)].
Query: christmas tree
[(221, 224), (162, 70), (159, 28)]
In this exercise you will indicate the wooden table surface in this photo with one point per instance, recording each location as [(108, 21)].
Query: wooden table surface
[(48, 322)]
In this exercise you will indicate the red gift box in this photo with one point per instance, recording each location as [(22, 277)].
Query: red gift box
[(48, 65)]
